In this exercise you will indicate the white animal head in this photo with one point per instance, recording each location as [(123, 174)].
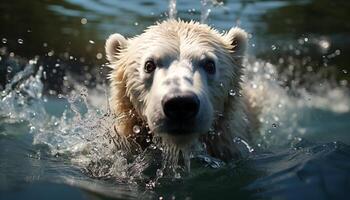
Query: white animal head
[(176, 76)]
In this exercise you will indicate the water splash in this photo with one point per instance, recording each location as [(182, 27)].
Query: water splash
[(84, 134), (281, 117), (206, 8), (21, 98), (86, 137), (172, 9)]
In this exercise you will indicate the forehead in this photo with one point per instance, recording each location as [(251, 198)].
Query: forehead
[(182, 40)]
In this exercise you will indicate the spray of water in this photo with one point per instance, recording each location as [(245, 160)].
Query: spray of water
[(206, 8), (172, 9), (283, 107), (86, 136)]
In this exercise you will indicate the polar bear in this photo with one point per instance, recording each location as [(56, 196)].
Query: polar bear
[(181, 81)]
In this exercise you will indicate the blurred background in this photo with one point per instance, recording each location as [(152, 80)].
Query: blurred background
[(67, 36)]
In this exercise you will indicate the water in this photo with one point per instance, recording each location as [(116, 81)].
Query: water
[(172, 9), (55, 122)]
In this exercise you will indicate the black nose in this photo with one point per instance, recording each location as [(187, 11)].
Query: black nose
[(180, 106)]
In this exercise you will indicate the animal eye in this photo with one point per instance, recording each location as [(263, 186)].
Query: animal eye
[(150, 66), (209, 66)]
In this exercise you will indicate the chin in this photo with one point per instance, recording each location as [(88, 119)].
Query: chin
[(181, 133)]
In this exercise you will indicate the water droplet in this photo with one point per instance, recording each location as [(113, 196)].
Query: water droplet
[(204, 145), (33, 62), (50, 53), (309, 68), (9, 69), (177, 175), (324, 44), (343, 82), (345, 71), (273, 47), (136, 129), (211, 131), (31, 129), (301, 41), (99, 56), (83, 21), (159, 173), (91, 42), (153, 146), (232, 93), (4, 40), (136, 23), (33, 114), (337, 52), (274, 125), (20, 41), (221, 85), (45, 75)]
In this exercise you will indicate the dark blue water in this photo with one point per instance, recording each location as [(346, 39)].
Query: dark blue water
[(53, 120)]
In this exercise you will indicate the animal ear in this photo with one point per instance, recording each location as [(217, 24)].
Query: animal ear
[(238, 39), (114, 44)]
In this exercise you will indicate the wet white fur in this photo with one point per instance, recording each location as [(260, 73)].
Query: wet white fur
[(178, 47)]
